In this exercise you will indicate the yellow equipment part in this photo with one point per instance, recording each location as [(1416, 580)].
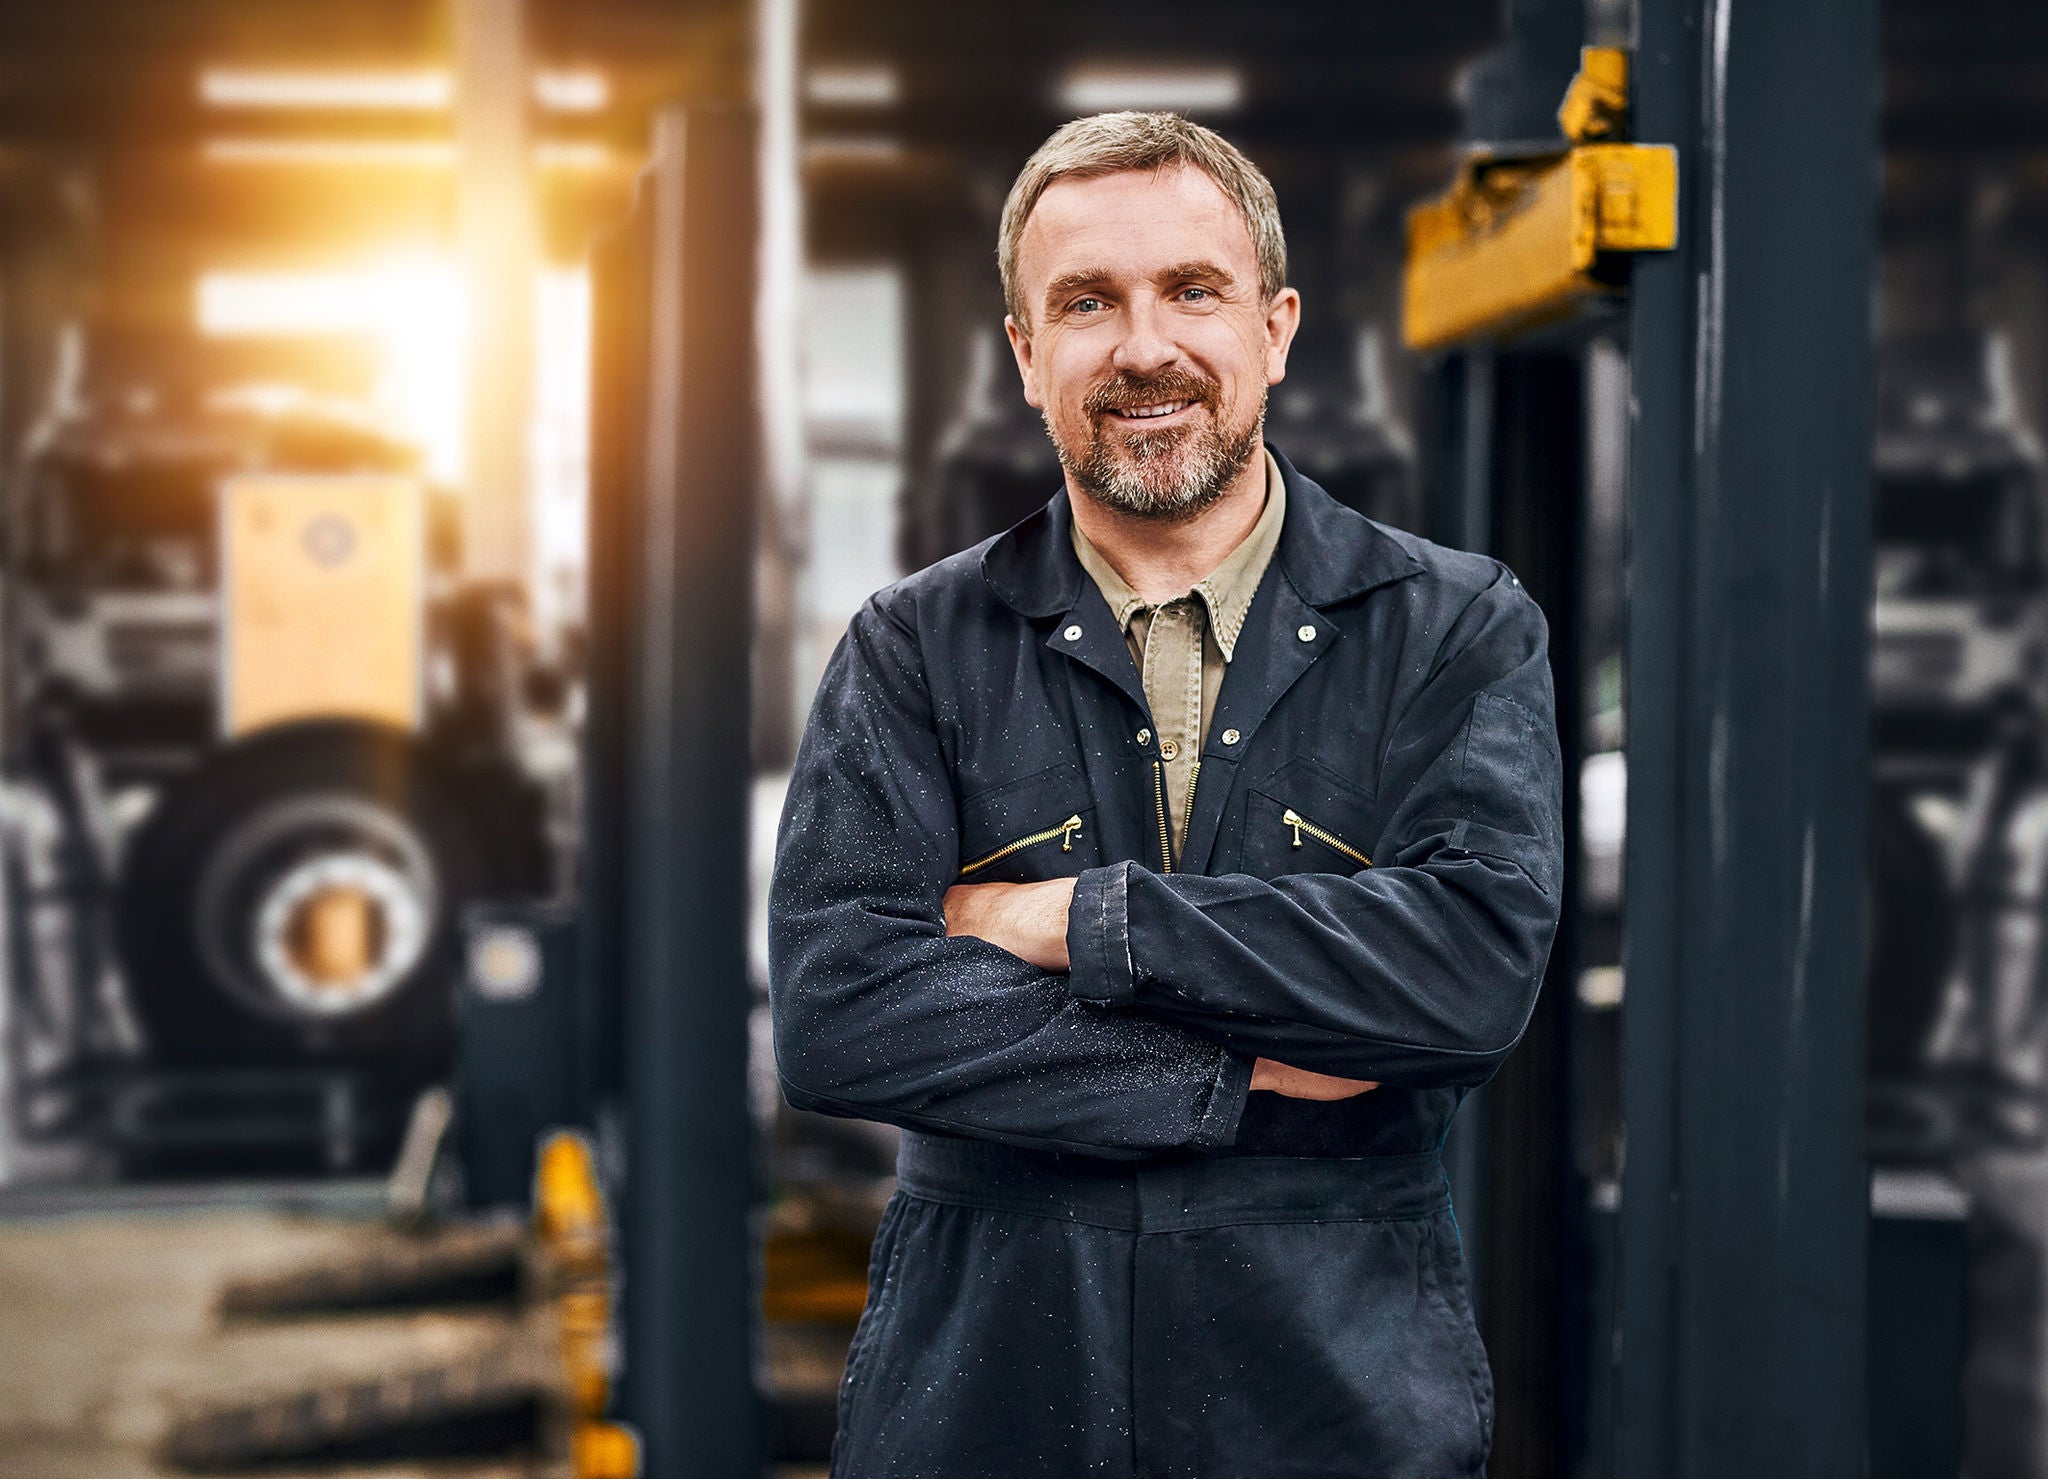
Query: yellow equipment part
[(604, 1451), (323, 593), (1513, 243), (570, 1221)]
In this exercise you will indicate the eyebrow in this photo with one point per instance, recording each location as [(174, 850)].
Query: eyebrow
[(1073, 282), (1095, 277), (1215, 272)]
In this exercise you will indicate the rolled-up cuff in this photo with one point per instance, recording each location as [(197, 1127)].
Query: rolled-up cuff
[(1218, 1125), (1099, 965)]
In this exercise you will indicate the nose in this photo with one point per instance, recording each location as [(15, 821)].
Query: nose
[(1145, 348)]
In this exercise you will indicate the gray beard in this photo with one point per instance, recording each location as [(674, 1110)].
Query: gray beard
[(1157, 475)]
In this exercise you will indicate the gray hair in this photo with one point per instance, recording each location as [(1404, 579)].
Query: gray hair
[(1110, 143)]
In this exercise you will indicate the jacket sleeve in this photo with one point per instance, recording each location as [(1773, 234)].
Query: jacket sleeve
[(1420, 971), (878, 1014)]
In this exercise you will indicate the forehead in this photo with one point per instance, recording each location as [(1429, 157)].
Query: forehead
[(1133, 223)]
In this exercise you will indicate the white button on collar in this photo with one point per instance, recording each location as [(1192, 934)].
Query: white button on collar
[(1230, 736), (1306, 633), (1144, 736), (1072, 634)]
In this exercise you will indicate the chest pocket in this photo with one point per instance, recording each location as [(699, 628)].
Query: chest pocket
[(1039, 827), (1305, 818)]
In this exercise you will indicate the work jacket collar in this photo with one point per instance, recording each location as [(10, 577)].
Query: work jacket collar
[(1329, 553)]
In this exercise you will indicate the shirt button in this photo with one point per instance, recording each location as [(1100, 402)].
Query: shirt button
[(1072, 634), (1169, 749), (1306, 633), (1230, 736), (1144, 736)]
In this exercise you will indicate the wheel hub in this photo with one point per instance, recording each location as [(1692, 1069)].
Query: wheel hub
[(339, 930)]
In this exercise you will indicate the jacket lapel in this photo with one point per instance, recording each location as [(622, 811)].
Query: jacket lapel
[(1087, 632), (1271, 656)]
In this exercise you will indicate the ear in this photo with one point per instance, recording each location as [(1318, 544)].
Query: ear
[(1020, 346), (1283, 317)]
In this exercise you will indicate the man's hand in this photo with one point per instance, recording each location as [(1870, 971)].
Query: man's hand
[(1030, 921), (1301, 1083), (1027, 919)]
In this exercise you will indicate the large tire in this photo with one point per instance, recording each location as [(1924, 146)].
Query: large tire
[(219, 874)]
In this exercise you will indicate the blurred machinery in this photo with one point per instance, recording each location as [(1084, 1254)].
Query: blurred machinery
[(1959, 661), (263, 744)]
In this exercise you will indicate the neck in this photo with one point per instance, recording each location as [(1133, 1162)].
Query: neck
[(1162, 558)]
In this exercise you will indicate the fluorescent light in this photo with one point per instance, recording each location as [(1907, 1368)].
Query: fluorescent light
[(419, 90), (579, 91), (857, 151), (1098, 88), (573, 155), (415, 90), (345, 153), (860, 86), (427, 154)]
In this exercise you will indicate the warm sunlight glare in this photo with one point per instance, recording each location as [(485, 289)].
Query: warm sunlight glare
[(412, 308)]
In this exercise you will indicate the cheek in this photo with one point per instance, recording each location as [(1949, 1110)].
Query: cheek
[(1236, 355), (1065, 377)]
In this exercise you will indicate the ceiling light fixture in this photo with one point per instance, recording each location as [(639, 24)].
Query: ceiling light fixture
[(853, 85), (415, 90), (1102, 87)]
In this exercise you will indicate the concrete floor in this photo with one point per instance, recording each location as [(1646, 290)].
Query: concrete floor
[(108, 1335)]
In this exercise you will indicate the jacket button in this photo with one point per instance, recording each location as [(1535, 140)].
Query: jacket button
[(1230, 736), (1072, 634), (1306, 633), (1144, 736), (1169, 750)]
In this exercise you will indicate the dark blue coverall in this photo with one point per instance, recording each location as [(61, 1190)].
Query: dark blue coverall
[(1105, 1256)]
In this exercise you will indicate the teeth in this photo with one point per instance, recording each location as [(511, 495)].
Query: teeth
[(1165, 409)]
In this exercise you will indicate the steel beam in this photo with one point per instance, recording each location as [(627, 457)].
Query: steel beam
[(1744, 1206), (499, 226)]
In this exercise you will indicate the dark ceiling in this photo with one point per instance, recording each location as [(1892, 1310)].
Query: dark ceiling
[(1331, 90)]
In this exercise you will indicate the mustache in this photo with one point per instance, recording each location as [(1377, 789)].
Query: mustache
[(1127, 392)]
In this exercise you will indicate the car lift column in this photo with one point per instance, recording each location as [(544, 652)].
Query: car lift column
[(690, 1290), (1744, 1204)]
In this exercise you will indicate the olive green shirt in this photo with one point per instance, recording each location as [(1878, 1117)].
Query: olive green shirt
[(1182, 646)]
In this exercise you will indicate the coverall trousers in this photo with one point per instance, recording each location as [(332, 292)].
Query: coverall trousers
[(1251, 1317)]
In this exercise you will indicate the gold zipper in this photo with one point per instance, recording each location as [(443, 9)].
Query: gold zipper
[(1301, 824), (1064, 831), (1165, 836), (1188, 817)]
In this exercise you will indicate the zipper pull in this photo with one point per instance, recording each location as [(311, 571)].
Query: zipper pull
[(1068, 828), (1292, 818)]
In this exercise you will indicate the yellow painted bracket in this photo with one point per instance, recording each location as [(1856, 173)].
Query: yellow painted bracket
[(570, 1222), (1516, 243)]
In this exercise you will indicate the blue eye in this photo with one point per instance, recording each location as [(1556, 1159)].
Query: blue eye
[(1081, 305), (1194, 295)]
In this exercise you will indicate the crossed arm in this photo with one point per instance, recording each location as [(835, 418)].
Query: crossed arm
[(988, 1012), (1030, 921)]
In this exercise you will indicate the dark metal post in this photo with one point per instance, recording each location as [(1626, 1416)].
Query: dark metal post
[(690, 1291), (1533, 1310), (1461, 515), (1744, 1205)]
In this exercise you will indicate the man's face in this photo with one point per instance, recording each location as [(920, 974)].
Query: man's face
[(1149, 349)]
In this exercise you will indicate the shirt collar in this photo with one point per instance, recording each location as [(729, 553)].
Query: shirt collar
[(1327, 552), (1226, 591)]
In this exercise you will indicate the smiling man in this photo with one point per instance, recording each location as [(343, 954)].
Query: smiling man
[(1168, 867)]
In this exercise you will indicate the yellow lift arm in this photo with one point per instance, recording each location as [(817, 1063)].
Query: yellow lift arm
[(1516, 242)]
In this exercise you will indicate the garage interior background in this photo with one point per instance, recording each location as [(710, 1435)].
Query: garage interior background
[(331, 424)]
